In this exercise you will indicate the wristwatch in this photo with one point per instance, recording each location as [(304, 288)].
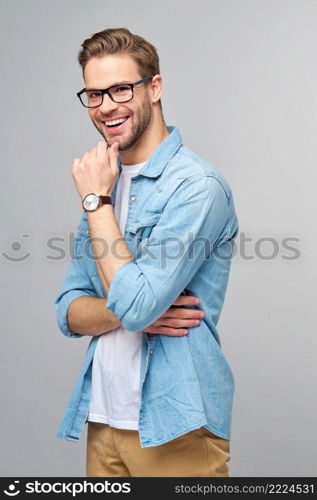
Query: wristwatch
[(93, 201)]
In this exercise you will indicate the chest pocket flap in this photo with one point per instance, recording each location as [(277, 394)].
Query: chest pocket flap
[(146, 222)]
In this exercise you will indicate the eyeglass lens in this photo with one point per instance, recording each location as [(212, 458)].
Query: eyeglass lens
[(119, 93)]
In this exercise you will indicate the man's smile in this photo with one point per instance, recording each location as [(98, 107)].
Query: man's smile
[(115, 124)]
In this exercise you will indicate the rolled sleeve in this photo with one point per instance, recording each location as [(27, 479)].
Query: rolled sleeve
[(76, 283), (143, 289)]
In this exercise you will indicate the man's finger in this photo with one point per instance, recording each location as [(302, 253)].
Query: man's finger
[(179, 312), (177, 323), (113, 157), (101, 149), (84, 159), (76, 163), (184, 300), (171, 332)]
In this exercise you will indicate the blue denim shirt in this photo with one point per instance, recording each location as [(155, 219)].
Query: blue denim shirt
[(180, 230)]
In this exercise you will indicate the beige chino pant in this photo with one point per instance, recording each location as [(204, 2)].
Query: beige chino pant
[(117, 453)]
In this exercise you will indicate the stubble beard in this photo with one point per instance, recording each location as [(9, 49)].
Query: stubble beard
[(142, 118)]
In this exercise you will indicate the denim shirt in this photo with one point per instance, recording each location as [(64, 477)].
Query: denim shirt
[(180, 230)]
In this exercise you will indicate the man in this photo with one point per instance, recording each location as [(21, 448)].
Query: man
[(155, 387)]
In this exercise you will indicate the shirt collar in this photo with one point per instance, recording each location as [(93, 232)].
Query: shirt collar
[(162, 154)]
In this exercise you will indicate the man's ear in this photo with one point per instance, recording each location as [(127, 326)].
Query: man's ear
[(156, 88)]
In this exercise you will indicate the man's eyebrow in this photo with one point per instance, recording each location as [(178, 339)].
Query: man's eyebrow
[(113, 85)]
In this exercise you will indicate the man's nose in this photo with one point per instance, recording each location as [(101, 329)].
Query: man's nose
[(108, 105)]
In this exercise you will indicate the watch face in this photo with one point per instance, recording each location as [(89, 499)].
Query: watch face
[(91, 202)]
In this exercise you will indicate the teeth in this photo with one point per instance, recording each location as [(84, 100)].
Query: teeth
[(116, 122)]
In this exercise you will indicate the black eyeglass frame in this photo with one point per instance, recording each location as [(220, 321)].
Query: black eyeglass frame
[(106, 91)]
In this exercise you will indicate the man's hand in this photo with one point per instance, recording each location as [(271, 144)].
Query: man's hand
[(96, 171), (175, 321)]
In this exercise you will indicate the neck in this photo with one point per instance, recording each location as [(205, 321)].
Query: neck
[(148, 142)]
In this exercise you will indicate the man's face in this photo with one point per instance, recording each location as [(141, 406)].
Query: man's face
[(101, 73)]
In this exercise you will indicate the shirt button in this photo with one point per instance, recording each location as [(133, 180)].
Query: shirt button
[(87, 232), (151, 351), (84, 390), (133, 198)]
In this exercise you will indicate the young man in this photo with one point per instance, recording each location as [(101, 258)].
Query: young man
[(156, 232)]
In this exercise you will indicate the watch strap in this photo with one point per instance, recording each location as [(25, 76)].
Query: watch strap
[(105, 200)]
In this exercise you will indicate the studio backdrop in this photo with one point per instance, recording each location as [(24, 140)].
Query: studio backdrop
[(240, 82)]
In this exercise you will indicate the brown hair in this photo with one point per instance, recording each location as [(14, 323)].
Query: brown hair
[(121, 40)]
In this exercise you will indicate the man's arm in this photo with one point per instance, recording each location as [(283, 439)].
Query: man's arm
[(89, 316), (140, 290), (81, 312), (77, 290)]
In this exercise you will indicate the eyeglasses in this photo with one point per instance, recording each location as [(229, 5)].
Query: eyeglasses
[(92, 98)]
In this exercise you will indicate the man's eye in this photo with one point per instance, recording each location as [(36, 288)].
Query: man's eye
[(121, 89), (93, 94)]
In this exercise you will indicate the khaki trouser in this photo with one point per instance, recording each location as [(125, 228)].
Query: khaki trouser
[(117, 453)]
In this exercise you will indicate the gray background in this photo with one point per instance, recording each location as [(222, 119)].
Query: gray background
[(240, 81)]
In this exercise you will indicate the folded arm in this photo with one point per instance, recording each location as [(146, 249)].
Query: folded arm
[(81, 312), (140, 290)]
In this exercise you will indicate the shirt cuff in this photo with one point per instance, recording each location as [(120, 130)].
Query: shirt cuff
[(62, 308), (124, 288)]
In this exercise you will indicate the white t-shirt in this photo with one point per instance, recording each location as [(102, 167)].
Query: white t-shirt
[(116, 396)]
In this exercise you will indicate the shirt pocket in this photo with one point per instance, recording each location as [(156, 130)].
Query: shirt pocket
[(143, 226)]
